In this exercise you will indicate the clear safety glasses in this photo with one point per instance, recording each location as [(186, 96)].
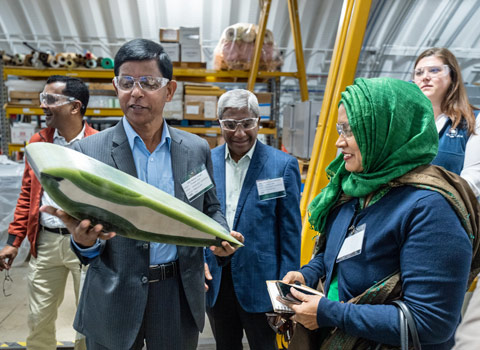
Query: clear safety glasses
[(344, 130), (432, 71), (146, 83), (55, 100), (232, 124)]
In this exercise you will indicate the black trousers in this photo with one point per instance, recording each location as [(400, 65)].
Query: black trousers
[(167, 323), (228, 321)]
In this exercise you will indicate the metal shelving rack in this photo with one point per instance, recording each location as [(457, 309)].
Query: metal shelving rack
[(4, 123), (203, 75)]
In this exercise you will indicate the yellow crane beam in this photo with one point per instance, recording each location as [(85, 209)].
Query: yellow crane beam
[(346, 52), (297, 42)]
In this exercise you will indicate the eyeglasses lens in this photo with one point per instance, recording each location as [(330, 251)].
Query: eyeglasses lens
[(432, 71), (146, 83), (246, 124), (344, 130)]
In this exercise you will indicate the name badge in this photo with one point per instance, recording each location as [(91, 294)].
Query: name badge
[(352, 246), (271, 188), (197, 183)]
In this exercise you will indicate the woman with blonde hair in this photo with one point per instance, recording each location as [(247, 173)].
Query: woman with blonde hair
[(438, 75)]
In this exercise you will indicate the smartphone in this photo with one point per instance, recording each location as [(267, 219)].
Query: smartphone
[(284, 290)]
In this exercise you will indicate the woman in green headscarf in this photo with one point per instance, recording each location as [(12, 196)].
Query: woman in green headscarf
[(388, 222)]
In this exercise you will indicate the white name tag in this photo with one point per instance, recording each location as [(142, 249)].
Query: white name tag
[(197, 183), (270, 189), (352, 246)]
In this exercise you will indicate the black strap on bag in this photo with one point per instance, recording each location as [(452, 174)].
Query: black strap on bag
[(407, 324)]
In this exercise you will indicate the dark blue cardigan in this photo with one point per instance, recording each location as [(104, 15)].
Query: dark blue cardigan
[(412, 230)]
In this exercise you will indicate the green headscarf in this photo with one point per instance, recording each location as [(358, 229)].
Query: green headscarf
[(394, 126)]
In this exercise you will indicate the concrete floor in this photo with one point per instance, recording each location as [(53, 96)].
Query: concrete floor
[(13, 315)]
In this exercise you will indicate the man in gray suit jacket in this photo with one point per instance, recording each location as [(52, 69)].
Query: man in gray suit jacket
[(140, 292)]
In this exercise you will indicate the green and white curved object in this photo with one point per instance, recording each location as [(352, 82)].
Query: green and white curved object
[(86, 188)]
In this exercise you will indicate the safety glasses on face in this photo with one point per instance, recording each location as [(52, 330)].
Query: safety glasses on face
[(432, 72), (344, 130), (146, 83), (55, 100), (246, 124)]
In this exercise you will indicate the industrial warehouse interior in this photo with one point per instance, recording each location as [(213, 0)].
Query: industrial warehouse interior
[(297, 75)]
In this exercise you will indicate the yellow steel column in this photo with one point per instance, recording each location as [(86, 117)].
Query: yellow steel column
[(325, 111), (262, 26), (297, 41), (324, 146)]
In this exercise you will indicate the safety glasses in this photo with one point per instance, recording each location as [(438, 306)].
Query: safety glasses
[(344, 130), (432, 71), (55, 100), (232, 124), (146, 83)]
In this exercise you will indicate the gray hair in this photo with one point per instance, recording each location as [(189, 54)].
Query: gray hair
[(238, 99)]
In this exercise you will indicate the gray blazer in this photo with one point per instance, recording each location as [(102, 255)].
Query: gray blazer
[(115, 292)]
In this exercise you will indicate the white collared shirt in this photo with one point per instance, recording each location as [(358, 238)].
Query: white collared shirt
[(235, 173), (48, 220)]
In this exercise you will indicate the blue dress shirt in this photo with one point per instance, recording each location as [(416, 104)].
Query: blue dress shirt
[(155, 169)]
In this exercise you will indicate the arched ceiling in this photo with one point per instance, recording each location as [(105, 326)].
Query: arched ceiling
[(397, 29)]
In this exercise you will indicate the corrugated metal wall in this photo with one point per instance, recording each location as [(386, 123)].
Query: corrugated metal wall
[(397, 31)]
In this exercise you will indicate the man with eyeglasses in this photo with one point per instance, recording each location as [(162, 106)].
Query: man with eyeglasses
[(259, 191), (139, 292), (64, 102)]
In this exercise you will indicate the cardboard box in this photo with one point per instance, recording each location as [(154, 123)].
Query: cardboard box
[(169, 35), (189, 35), (24, 95), (173, 115), (22, 132), (193, 110), (172, 50), (173, 110), (24, 101), (199, 107), (264, 104), (191, 53), (101, 86), (178, 95)]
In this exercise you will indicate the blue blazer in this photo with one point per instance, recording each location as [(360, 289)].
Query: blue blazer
[(272, 228)]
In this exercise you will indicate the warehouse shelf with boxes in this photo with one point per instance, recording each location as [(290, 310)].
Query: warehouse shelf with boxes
[(240, 58), (193, 106)]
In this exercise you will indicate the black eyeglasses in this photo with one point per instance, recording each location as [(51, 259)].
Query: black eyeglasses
[(7, 284)]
